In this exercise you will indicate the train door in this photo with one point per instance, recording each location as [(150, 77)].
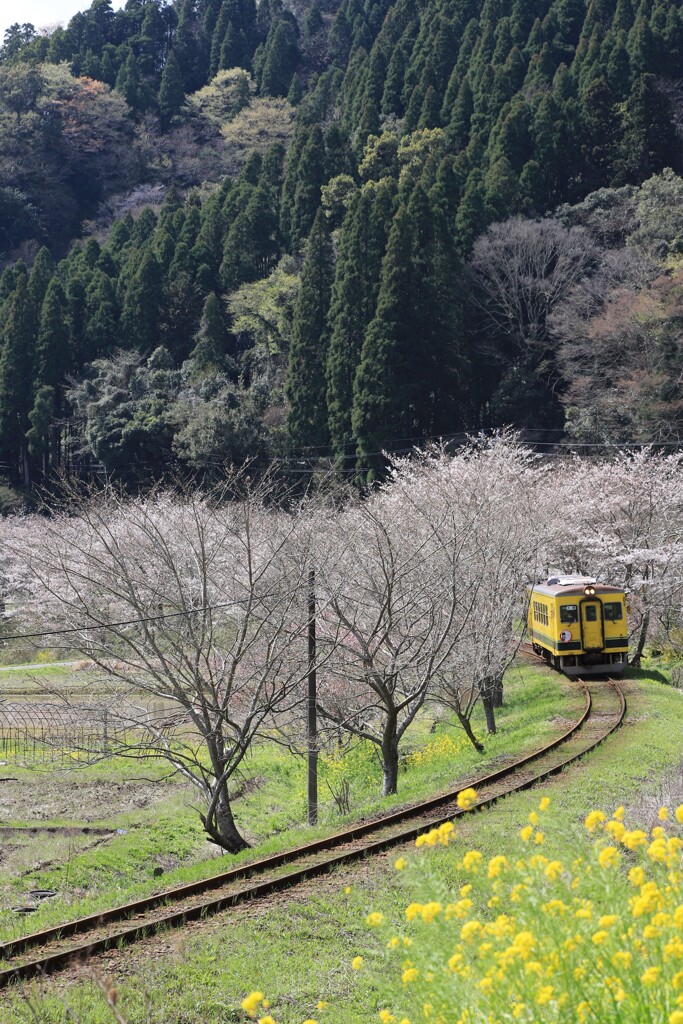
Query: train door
[(592, 630)]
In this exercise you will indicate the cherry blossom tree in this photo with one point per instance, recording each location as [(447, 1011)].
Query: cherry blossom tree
[(621, 520), (194, 607)]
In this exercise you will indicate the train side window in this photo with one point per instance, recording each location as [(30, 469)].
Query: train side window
[(591, 613), (569, 613), (540, 613), (612, 611)]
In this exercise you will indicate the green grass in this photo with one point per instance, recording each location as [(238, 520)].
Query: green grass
[(300, 951)]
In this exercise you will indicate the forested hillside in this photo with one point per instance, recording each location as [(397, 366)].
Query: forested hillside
[(316, 231)]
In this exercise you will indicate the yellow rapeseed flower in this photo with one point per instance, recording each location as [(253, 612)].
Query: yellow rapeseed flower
[(679, 814), (553, 870), (622, 958), (632, 840), (619, 814), (533, 818), (676, 1017), (374, 919), (636, 876), (595, 819), (429, 911), (650, 976), (357, 963), (616, 829), (607, 920), (663, 814), (544, 995), (472, 860), (393, 942), (497, 865), (600, 937), (413, 910), (466, 798), (410, 974), (311, 1021), (386, 1017), (267, 1019), (544, 804), (539, 839), (526, 833), (322, 1004), (400, 864), (609, 857), (251, 1003)]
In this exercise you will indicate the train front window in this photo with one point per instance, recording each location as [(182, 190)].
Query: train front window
[(591, 613), (569, 613), (612, 611)]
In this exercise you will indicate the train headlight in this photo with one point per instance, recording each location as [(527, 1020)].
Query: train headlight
[(589, 591)]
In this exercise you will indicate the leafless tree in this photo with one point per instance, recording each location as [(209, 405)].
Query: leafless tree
[(395, 611), (423, 592), (521, 270), (194, 607)]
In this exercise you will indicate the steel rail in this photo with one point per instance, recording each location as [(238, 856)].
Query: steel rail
[(137, 931)]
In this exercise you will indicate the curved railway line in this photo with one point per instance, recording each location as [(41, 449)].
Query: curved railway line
[(604, 711)]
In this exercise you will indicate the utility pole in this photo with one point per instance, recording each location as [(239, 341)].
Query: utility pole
[(312, 698)]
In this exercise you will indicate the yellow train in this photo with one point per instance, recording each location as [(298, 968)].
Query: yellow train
[(579, 625)]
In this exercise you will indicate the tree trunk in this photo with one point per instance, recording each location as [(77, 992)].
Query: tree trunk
[(487, 703), (469, 732), (220, 825), (26, 469), (390, 757), (638, 653), (497, 692)]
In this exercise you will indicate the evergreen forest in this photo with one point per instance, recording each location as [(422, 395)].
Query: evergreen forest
[(317, 231)]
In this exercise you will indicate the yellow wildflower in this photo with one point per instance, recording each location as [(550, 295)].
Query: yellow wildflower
[(430, 911), (267, 1019), (539, 839), (533, 818), (663, 814), (374, 919), (444, 832), (322, 1004), (470, 929), (251, 1003), (386, 1017), (497, 865), (465, 890), (636, 876), (676, 1017), (609, 857), (650, 976), (616, 829), (595, 819), (518, 1009), (607, 920), (679, 814), (632, 840), (466, 798), (472, 860), (544, 995), (600, 937), (311, 1021), (357, 963), (400, 864), (622, 958), (544, 804), (526, 833), (553, 870), (413, 911), (410, 974)]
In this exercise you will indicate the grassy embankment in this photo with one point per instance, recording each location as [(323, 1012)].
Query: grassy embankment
[(300, 952), (159, 827)]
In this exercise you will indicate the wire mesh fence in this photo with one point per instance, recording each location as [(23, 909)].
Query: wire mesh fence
[(57, 735)]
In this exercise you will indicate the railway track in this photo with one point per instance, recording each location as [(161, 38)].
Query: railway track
[(604, 711)]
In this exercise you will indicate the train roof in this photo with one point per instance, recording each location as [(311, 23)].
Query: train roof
[(573, 586)]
